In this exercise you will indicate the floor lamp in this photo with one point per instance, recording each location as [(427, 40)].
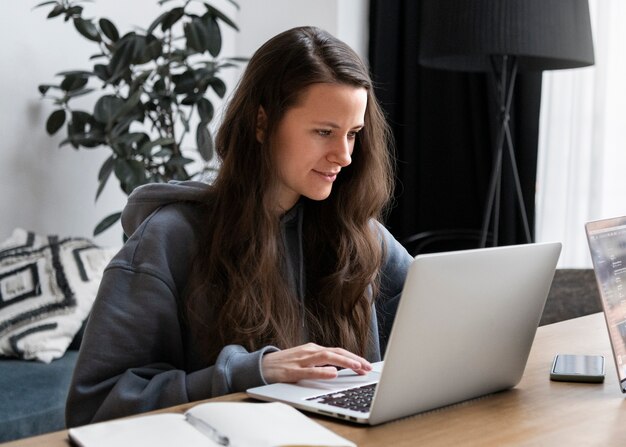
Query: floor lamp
[(504, 37)]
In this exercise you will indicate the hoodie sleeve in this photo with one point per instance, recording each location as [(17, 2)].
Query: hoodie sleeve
[(133, 355), (393, 273)]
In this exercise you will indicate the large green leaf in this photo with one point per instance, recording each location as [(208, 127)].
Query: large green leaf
[(130, 49), (102, 71), (82, 121), (106, 108), (214, 36), (195, 33), (156, 22), (73, 82), (106, 223), (154, 48), (178, 162), (171, 18), (104, 174), (205, 110), (191, 99), (217, 13), (87, 29), (219, 86), (55, 121), (130, 173), (56, 11), (123, 53), (109, 30), (82, 130), (142, 52), (185, 83), (204, 141), (73, 11), (88, 140), (106, 168)]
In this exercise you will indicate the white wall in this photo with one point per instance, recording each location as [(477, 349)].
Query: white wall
[(262, 19), (51, 190)]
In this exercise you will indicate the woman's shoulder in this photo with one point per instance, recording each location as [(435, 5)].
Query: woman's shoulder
[(166, 241), (395, 254), (146, 199), (172, 222)]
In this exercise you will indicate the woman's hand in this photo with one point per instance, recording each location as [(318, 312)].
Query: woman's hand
[(310, 361)]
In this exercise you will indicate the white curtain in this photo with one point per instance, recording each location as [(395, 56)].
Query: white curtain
[(581, 171)]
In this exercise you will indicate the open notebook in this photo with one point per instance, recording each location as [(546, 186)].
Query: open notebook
[(236, 424)]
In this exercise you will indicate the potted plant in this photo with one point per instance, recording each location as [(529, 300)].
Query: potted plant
[(154, 86)]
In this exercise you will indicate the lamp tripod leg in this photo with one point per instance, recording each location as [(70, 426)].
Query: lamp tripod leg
[(494, 189), (504, 84), (518, 186)]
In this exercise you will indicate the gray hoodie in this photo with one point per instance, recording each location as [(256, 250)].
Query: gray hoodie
[(137, 354)]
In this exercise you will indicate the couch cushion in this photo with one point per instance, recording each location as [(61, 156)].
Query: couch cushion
[(33, 396), (47, 288)]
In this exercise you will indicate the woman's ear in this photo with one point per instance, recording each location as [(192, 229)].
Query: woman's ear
[(261, 125)]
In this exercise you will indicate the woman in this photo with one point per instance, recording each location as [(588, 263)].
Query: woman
[(271, 274)]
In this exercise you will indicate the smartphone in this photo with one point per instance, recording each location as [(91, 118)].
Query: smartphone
[(577, 368)]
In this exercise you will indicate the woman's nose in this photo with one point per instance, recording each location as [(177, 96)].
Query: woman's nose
[(342, 152)]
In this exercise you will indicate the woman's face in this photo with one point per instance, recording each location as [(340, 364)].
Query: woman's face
[(315, 139)]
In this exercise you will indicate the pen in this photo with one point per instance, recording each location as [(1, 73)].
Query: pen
[(208, 430)]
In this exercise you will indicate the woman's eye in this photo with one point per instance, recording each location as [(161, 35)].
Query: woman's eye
[(324, 133), (352, 135)]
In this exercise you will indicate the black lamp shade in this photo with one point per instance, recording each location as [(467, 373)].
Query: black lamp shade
[(544, 34)]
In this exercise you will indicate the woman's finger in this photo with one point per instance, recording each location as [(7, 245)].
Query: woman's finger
[(328, 357)]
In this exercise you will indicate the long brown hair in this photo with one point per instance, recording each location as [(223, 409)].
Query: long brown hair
[(238, 292)]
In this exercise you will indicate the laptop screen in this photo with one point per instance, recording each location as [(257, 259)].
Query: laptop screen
[(607, 243)]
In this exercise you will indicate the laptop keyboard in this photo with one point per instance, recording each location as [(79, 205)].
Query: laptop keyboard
[(356, 399)]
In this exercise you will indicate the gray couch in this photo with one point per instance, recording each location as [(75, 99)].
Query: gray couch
[(34, 394)]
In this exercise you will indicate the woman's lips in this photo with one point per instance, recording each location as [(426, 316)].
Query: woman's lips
[(328, 176)]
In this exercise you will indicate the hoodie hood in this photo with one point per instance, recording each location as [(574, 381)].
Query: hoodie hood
[(145, 199)]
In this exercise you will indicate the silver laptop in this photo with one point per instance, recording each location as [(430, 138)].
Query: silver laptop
[(464, 327), (607, 243)]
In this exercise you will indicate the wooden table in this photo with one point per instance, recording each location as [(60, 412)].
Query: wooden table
[(536, 412)]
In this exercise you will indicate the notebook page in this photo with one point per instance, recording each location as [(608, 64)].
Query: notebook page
[(266, 425), (159, 430)]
